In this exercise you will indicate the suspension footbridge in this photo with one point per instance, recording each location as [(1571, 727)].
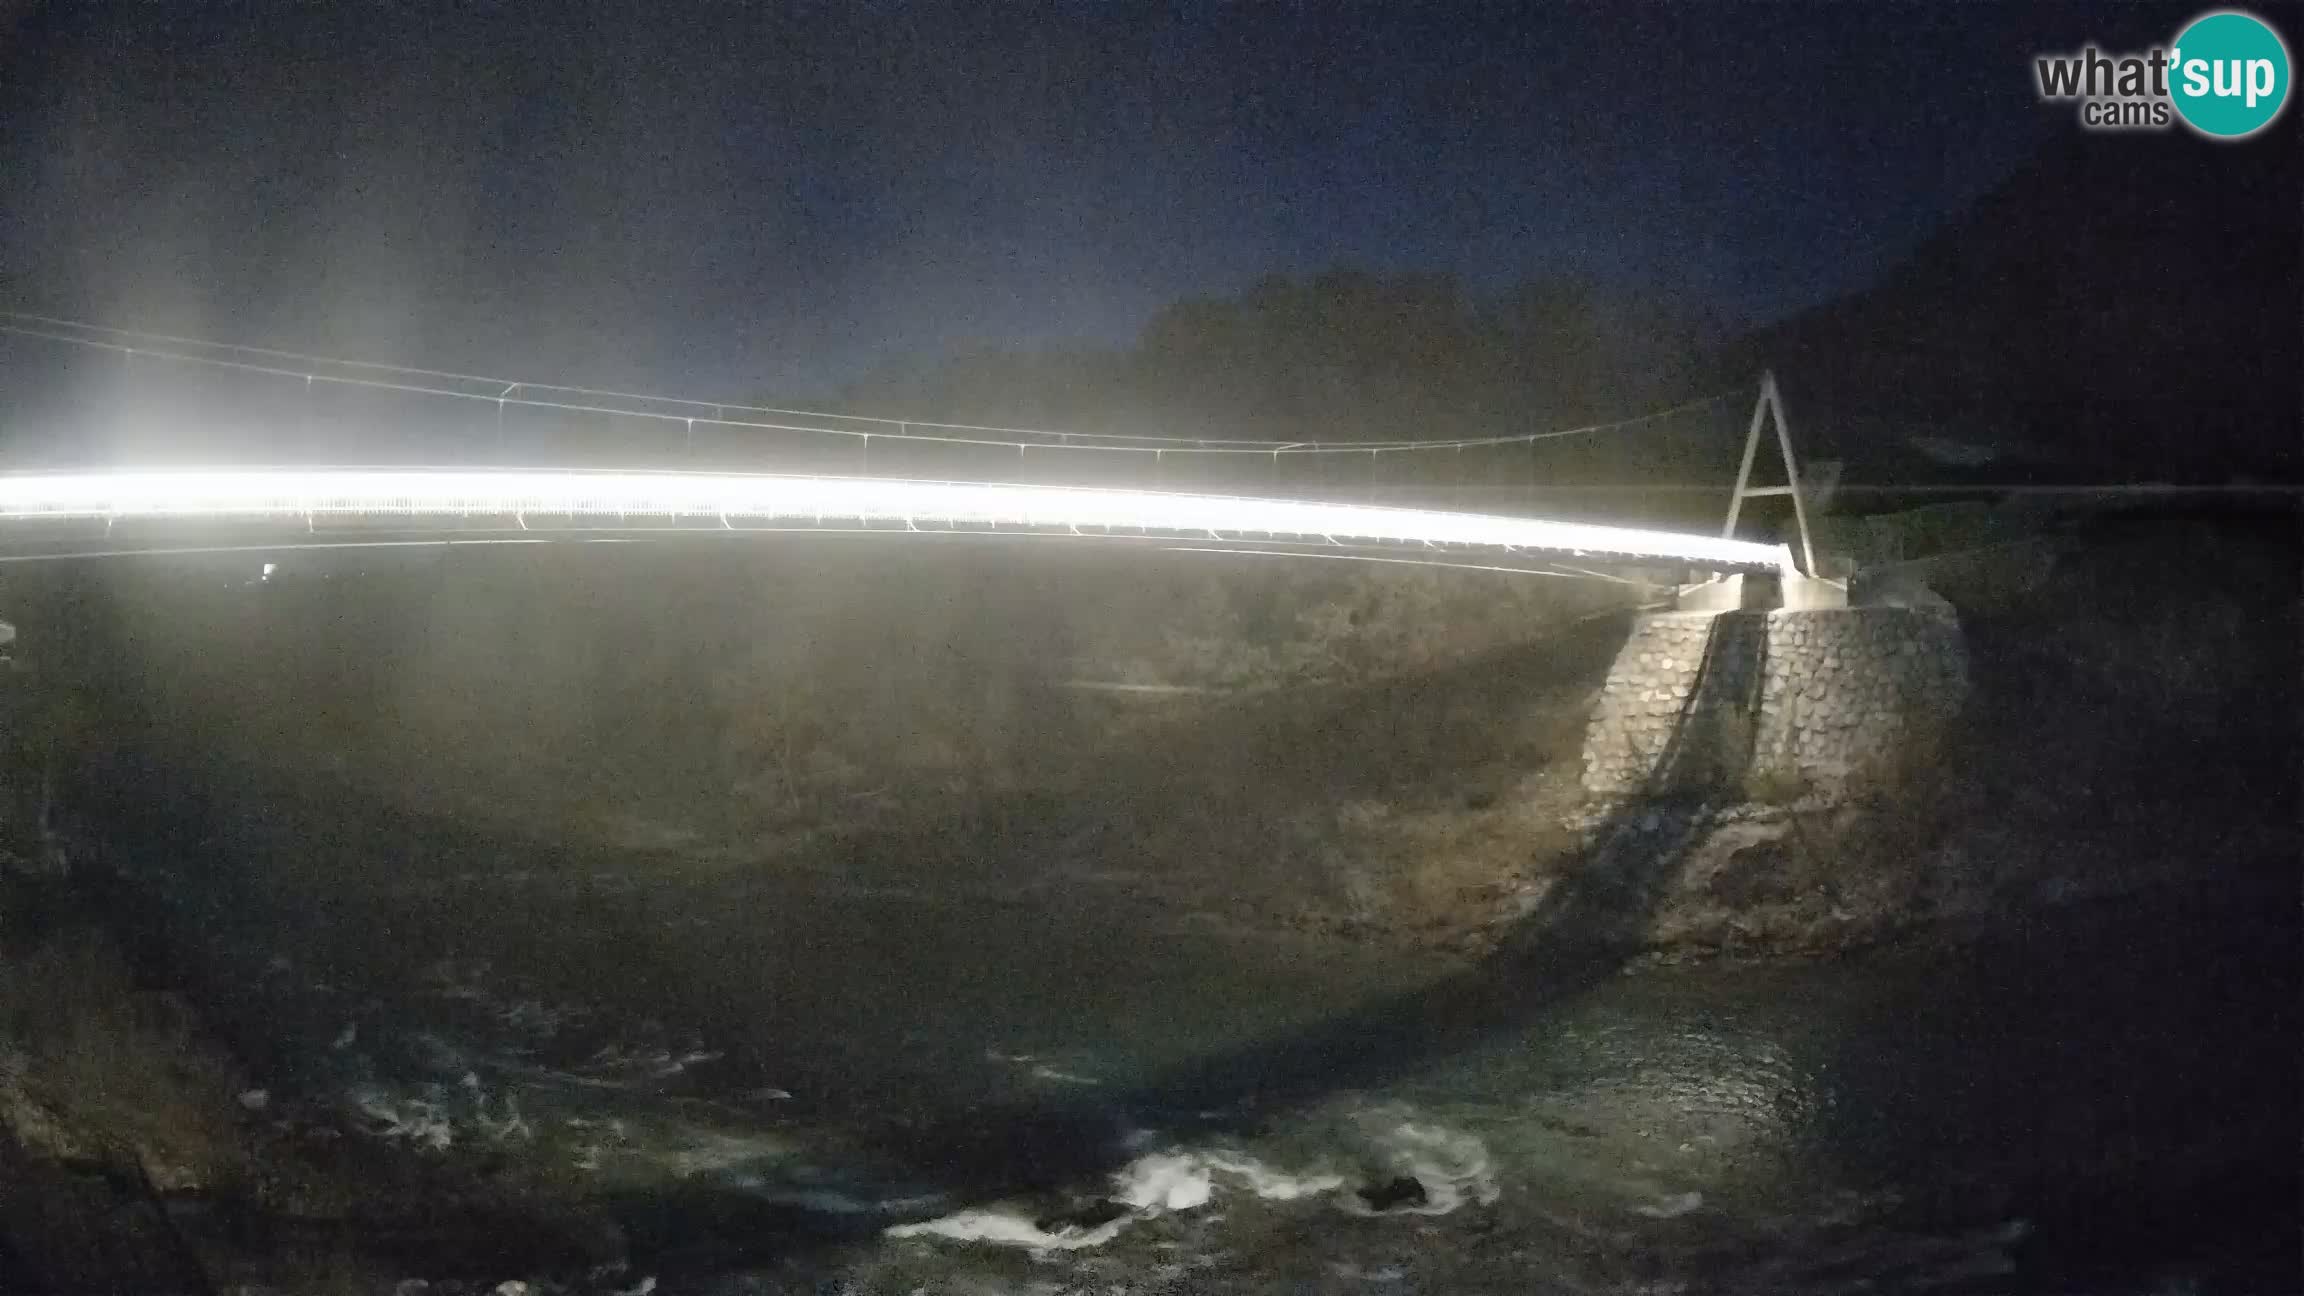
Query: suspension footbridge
[(820, 472)]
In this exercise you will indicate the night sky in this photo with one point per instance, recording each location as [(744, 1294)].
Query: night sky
[(771, 200)]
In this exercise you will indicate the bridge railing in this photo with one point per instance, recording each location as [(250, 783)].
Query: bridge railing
[(80, 396)]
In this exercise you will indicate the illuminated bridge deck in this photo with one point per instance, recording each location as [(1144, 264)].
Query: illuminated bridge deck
[(85, 513)]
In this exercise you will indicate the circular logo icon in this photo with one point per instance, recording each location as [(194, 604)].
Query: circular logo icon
[(2230, 75)]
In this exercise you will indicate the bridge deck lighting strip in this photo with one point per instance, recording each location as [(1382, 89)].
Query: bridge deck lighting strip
[(300, 495)]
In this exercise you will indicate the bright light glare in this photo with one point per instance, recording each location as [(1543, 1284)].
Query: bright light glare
[(297, 495)]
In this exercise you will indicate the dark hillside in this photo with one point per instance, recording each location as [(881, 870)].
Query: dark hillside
[(2126, 308)]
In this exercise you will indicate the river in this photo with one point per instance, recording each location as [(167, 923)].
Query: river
[(850, 1082)]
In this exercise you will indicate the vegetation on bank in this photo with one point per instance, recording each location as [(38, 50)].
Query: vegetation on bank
[(764, 689), (1387, 752)]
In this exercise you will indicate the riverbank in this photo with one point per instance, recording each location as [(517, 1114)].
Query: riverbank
[(2127, 729), (1381, 756)]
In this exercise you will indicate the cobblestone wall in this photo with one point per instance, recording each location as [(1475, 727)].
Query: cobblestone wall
[(1772, 703)]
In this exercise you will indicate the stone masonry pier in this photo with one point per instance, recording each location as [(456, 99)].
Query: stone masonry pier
[(1773, 703)]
